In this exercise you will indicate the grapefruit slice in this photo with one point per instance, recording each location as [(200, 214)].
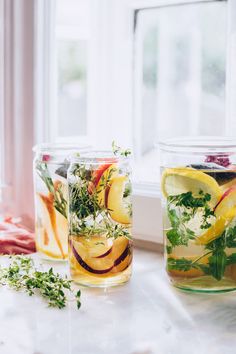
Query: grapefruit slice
[(54, 241)]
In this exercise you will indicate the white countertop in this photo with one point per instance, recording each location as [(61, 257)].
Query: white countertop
[(145, 316)]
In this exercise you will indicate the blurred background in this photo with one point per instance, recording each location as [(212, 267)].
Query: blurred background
[(93, 71)]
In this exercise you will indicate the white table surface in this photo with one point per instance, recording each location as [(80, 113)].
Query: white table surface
[(145, 316)]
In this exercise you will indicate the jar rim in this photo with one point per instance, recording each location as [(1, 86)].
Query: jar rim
[(199, 144), (97, 157)]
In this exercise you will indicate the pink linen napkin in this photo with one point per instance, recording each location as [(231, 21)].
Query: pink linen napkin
[(15, 238)]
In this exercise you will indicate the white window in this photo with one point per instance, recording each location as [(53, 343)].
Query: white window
[(136, 71), (180, 73)]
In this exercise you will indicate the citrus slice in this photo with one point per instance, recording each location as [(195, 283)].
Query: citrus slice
[(184, 179), (225, 212), (217, 228)]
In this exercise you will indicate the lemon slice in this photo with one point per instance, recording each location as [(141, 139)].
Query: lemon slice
[(225, 212), (217, 228), (184, 179)]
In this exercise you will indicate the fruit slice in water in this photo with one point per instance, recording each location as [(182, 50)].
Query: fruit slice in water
[(109, 171), (53, 241), (189, 273), (225, 212), (115, 261), (184, 179), (115, 203)]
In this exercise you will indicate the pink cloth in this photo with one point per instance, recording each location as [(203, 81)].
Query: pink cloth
[(15, 238)]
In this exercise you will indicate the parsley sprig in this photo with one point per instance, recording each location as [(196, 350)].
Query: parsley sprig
[(181, 209), (22, 275), (218, 260)]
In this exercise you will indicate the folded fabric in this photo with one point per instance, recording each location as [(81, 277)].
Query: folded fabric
[(15, 238)]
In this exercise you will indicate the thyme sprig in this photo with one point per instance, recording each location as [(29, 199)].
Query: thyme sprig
[(87, 216), (22, 275), (118, 151)]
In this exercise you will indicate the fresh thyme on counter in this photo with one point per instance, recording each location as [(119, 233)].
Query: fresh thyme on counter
[(22, 275)]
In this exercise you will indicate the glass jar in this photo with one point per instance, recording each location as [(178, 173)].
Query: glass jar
[(199, 212), (50, 167), (100, 217)]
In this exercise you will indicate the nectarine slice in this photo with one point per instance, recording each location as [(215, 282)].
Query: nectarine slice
[(115, 203), (116, 260)]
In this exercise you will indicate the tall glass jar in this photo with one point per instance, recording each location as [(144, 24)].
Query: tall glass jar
[(199, 212), (100, 217), (50, 167)]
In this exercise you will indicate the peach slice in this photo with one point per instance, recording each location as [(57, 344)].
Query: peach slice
[(115, 204), (104, 183), (225, 212), (117, 260)]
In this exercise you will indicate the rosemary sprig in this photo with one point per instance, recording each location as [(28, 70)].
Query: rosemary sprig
[(59, 201), (22, 275)]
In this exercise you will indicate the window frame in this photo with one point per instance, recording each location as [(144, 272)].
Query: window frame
[(104, 102)]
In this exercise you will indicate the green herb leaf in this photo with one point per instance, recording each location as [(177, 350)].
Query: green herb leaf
[(231, 259), (182, 264), (22, 275), (117, 150), (217, 264)]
